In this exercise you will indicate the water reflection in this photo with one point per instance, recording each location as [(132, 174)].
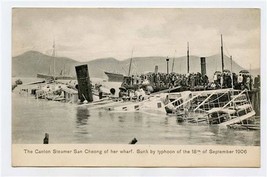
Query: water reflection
[(121, 119), (100, 115), (166, 122), (138, 118), (111, 117), (180, 120), (82, 116), (214, 129)]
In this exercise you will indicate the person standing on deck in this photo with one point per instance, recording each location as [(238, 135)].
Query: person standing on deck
[(257, 82), (206, 80), (100, 92), (240, 80), (235, 83), (132, 80), (248, 83)]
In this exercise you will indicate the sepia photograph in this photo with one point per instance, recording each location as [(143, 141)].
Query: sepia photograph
[(136, 76)]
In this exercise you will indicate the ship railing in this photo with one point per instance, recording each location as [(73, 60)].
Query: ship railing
[(232, 100), (208, 106), (174, 101), (184, 103), (204, 101)]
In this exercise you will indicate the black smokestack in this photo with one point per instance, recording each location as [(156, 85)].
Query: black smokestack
[(203, 65), (84, 84)]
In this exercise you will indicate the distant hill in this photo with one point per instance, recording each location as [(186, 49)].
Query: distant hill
[(32, 62)]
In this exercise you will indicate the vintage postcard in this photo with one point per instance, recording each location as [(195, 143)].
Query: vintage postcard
[(136, 87)]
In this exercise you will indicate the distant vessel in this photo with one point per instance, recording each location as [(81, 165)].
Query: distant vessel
[(114, 77), (63, 76), (117, 77), (44, 76), (54, 77), (49, 76), (60, 77)]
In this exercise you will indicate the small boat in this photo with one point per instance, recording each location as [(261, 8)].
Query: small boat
[(18, 82)]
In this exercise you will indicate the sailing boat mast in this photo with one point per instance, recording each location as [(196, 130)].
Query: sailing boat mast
[(54, 56), (232, 78), (49, 70), (222, 53), (129, 72), (187, 57), (64, 70), (173, 60)]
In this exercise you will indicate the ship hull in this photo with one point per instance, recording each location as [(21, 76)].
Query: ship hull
[(114, 77), (65, 78), (44, 76)]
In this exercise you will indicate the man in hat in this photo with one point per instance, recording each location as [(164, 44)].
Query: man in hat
[(122, 92)]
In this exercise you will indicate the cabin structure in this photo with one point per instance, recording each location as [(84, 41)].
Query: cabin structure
[(70, 95)]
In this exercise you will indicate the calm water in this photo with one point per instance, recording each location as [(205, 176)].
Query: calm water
[(67, 123)]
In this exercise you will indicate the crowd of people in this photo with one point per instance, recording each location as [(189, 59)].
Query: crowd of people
[(160, 81), (232, 80), (191, 81)]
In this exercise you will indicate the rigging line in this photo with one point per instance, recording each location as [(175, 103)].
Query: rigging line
[(226, 48)]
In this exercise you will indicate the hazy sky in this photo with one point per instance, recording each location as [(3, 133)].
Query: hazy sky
[(86, 34)]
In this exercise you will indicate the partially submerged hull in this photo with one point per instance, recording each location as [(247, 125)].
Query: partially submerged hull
[(186, 106), (239, 119)]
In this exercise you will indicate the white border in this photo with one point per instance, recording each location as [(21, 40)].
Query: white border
[(5, 88)]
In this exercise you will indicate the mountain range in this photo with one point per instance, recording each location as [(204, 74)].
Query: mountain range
[(30, 63)]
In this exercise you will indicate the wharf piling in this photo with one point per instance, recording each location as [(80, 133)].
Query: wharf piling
[(134, 141), (46, 139), (254, 96)]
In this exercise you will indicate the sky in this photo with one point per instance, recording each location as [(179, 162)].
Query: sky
[(85, 34)]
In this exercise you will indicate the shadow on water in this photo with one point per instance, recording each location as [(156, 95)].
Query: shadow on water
[(180, 120), (138, 118), (100, 114), (166, 121), (82, 116), (121, 119)]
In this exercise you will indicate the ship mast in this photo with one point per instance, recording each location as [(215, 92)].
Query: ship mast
[(232, 78), (173, 60), (187, 57), (129, 72), (222, 53), (54, 56)]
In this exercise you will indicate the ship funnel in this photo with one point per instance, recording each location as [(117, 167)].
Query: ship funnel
[(156, 69), (84, 84), (203, 65)]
